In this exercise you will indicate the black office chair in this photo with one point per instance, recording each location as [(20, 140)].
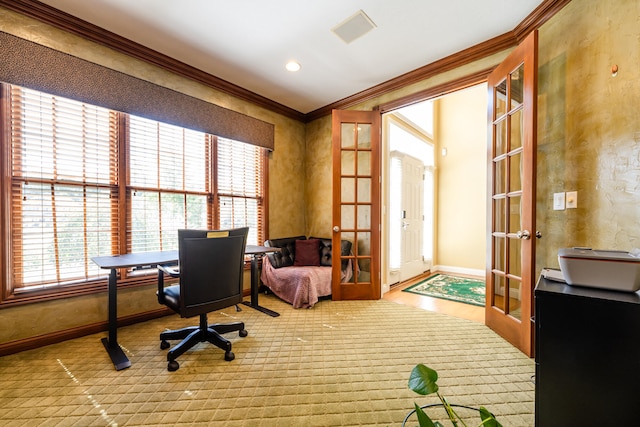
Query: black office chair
[(211, 270)]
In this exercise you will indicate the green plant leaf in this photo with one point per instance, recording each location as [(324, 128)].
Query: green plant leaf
[(423, 418), (423, 380), (488, 420)]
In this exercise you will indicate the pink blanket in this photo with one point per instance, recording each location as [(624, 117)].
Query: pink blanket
[(299, 286)]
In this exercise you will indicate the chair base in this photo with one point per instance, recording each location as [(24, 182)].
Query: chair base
[(193, 335)]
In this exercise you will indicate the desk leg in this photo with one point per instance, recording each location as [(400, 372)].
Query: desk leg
[(119, 359), (255, 287)]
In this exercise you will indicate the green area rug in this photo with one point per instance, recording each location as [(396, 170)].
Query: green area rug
[(460, 289)]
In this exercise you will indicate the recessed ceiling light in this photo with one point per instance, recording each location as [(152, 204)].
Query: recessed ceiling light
[(293, 66)]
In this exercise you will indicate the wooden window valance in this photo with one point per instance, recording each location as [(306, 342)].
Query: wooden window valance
[(28, 64)]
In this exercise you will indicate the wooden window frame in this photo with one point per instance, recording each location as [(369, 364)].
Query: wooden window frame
[(120, 241)]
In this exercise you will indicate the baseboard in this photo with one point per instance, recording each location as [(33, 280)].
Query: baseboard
[(457, 270), (31, 343)]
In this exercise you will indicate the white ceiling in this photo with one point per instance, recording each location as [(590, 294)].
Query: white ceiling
[(248, 42)]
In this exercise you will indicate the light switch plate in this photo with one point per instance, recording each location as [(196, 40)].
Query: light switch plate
[(558, 201), (572, 199)]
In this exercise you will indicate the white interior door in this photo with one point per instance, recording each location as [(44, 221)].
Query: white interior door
[(407, 216), (413, 218)]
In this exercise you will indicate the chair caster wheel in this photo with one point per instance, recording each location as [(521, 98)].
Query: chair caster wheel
[(173, 366), (244, 333), (229, 356), (164, 345)]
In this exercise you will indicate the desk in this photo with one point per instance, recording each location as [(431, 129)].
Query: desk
[(257, 252), (114, 262)]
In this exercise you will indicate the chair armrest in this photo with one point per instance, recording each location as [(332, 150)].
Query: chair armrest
[(170, 270), (162, 270)]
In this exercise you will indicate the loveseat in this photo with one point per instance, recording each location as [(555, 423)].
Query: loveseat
[(300, 273)]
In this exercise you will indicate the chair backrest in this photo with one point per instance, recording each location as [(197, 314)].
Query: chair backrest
[(211, 269)]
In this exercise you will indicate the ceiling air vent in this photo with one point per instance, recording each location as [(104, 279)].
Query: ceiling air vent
[(354, 27)]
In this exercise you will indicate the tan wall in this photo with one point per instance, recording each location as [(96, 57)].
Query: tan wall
[(287, 214), (589, 127), (461, 177)]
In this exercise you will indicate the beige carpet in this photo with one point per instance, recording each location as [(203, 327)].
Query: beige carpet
[(337, 364)]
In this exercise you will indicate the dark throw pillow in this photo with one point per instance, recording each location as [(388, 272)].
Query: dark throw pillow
[(307, 252)]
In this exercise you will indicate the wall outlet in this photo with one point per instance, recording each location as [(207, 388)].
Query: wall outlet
[(558, 201), (572, 199)]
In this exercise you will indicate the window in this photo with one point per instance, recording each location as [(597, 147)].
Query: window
[(63, 172), (87, 181), (169, 183), (240, 187)]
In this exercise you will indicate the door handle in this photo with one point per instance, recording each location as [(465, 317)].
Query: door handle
[(524, 235), (336, 228)]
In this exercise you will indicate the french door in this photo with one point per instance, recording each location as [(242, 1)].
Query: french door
[(356, 203), (511, 226)]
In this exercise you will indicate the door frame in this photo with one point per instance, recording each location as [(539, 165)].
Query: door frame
[(473, 79), (438, 91)]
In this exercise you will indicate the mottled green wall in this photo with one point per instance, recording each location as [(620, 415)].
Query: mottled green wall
[(286, 181), (287, 216), (589, 127), (318, 178)]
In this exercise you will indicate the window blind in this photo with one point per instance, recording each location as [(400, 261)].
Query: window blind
[(240, 187), (170, 183), (63, 198)]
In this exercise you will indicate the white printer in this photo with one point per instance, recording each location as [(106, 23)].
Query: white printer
[(604, 269)]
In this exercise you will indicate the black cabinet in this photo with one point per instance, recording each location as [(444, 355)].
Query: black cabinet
[(587, 356)]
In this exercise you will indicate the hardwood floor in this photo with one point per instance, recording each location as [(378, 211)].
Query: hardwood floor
[(452, 308)]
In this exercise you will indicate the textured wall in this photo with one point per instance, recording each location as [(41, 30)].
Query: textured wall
[(318, 178), (287, 207), (589, 127)]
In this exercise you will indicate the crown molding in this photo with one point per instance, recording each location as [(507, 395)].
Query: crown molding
[(44, 13), (437, 91), (479, 51), (69, 23), (545, 11), (532, 22)]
